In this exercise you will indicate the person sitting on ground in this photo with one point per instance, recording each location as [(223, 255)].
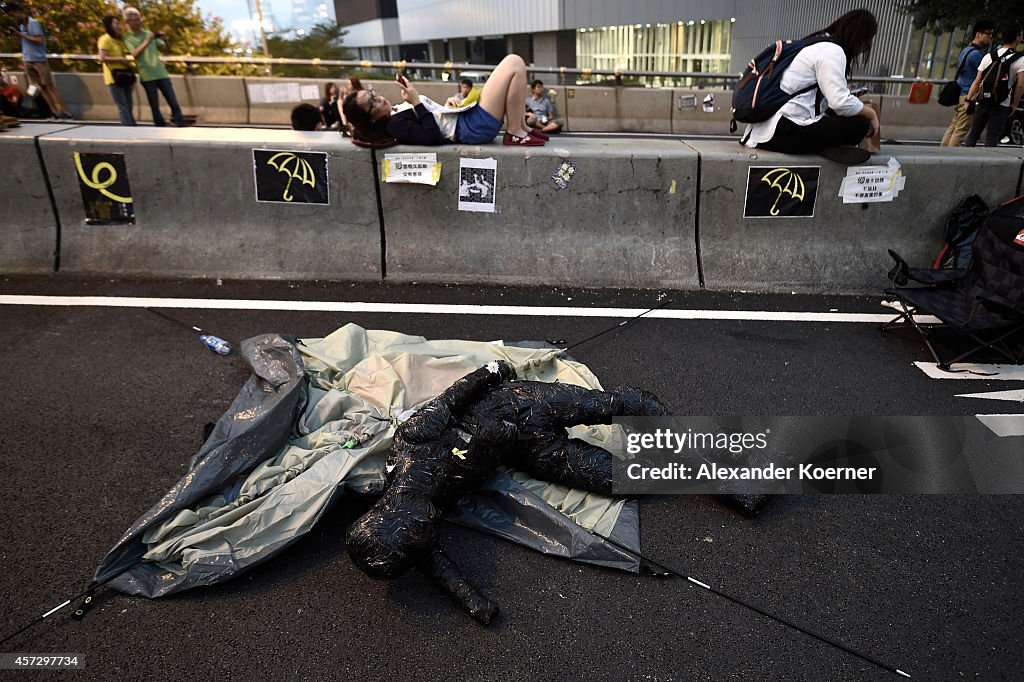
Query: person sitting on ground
[(329, 107), (990, 116), (966, 71), (541, 110), (466, 95), (420, 120), (306, 117), (802, 125)]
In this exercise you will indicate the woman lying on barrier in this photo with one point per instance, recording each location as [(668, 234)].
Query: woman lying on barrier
[(420, 120)]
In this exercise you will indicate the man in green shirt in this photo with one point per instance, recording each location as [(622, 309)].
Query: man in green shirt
[(144, 46)]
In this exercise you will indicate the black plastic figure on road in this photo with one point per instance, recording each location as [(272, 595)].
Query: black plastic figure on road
[(454, 442)]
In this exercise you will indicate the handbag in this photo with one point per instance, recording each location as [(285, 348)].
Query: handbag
[(949, 95), (123, 78)]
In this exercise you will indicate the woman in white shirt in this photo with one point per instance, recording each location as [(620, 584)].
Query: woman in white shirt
[(827, 116)]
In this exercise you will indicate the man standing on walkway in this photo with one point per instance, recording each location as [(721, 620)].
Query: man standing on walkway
[(966, 71), (33, 56), (145, 46), (996, 99)]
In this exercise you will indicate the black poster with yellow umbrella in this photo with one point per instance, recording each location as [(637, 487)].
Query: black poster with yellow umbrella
[(103, 179), (781, 191), (290, 177)]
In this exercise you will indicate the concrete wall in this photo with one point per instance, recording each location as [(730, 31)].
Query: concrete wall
[(637, 213), (224, 99), (626, 218), (28, 225), (196, 213), (843, 248)]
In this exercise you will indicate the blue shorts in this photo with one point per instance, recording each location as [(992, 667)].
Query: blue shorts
[(476, 126)]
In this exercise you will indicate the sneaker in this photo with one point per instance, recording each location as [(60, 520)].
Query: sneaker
[(517, 141)]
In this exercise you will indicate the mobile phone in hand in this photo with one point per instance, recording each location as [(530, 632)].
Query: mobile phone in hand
[(402, 80)]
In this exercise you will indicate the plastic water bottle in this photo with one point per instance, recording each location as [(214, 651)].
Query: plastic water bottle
[(216, 344)]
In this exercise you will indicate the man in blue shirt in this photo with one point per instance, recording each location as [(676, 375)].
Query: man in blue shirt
[(540, 110), (33, 56), (967, 71)]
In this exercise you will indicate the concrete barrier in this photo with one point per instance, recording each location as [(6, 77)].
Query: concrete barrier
[(842, 249), (625, 219), (29, 228), (223, 99), (630, 216), (693, 120), (634, 110), (196, 213), (217, 99)]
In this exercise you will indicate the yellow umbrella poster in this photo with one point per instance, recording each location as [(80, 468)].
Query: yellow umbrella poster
[(290, 177), (781, 191)]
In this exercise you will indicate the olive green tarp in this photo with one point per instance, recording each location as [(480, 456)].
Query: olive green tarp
[(317, 418)]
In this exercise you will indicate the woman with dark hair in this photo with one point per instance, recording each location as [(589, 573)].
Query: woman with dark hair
[(117, 68), (354, 85), (419, 120), (819, 73), (329, 107)]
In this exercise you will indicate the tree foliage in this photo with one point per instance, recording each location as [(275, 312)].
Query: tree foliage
[(323, 41), (940, 16), (74, 26)]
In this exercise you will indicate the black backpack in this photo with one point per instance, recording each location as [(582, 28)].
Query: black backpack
[(995, 83), (758, 94)]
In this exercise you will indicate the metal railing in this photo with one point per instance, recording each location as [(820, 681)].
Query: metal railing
[(456, 67)]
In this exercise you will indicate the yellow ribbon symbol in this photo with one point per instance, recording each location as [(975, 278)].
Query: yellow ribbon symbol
[(97, 182)]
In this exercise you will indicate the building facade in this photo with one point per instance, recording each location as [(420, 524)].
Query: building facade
[(709, 36)]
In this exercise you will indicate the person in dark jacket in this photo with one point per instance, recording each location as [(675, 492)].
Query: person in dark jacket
[(373, 121)]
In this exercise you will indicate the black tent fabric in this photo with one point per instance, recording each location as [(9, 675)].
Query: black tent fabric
[(274, 410)]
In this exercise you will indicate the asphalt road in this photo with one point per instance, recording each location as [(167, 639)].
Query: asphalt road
[(103, 407)]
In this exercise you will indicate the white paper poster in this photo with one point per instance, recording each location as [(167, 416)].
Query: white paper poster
[(310, 92), (477, 180), (872, 184), (422, 169), (277, 93), (256, 94)]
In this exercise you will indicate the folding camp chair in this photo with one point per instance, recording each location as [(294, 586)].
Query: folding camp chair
[(984, 301)]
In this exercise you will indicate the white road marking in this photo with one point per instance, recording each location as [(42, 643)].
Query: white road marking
[(438, 309), (995, 395), (966, 370), (1003, 425)]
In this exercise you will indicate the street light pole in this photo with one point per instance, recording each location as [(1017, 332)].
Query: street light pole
[(263, 31)]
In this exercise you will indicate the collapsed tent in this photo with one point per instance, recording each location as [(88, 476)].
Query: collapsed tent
[(317, 418)]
